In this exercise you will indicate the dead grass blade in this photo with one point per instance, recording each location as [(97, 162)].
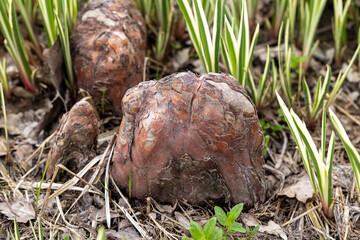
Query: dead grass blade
[(301, 215), (95, 174), (169, 235), (318, 225), (69, 183), (58, 203), (106, 182)]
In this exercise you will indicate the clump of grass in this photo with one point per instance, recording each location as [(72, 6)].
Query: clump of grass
[(146, 8), (165, 16), (207, 46), (3, 106), (318, 164), (310, 14), (284, 67), (351, 151), (280, 7), (237, 50), (313, 109), (252, 7), (64, 22), (159, 16), (339, 26), (59, 19), (15, 44), (266, 88), (340, 79), (27, 16), (3, 79), (322, 91), (48, 16)]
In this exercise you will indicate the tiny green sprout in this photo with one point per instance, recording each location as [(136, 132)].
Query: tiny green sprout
[(101, 233), (266, 143), (251, 233), (38, 189), (130, 184), (273, 129), (103, 101)]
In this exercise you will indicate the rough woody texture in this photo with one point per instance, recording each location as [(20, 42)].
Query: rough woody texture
[(108, 45), (75, 140), (190, 137)]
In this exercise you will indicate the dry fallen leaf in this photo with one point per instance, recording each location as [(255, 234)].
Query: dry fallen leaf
[(182, 219), (302, 190), (180, 58), (249, 220), (23, 209), (343, 176), (164, 208), (53, 65), (128, 234), (23, 151), (2, 146), (273, 228), (99, 215)]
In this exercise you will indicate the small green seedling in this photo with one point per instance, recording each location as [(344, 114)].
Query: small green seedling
[(271, 129), (226, 220), (210, 231), (251, 233)]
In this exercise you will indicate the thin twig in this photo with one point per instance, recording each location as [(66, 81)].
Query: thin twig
[(161, 228), (347, 114), (283, 149), (133, 222), (95, 174), (41, 146), (354, 209)]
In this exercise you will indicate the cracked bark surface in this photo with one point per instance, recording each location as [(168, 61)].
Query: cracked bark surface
[(108, 45), (75, 140), (190, 137)]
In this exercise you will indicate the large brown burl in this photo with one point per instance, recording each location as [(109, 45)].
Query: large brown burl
[(108, 45), (190, 137)]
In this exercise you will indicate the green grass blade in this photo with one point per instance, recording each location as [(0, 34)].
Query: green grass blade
[(341, 78), (191, 24), (217, 29), (231, 46), (321, 94), (205, 37), (47, 13), (27, 23), (299, 142), (349, 147), (308, 101), (16, 229), (264, 77)]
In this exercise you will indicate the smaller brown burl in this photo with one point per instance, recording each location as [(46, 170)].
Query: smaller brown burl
[(76, 136)]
